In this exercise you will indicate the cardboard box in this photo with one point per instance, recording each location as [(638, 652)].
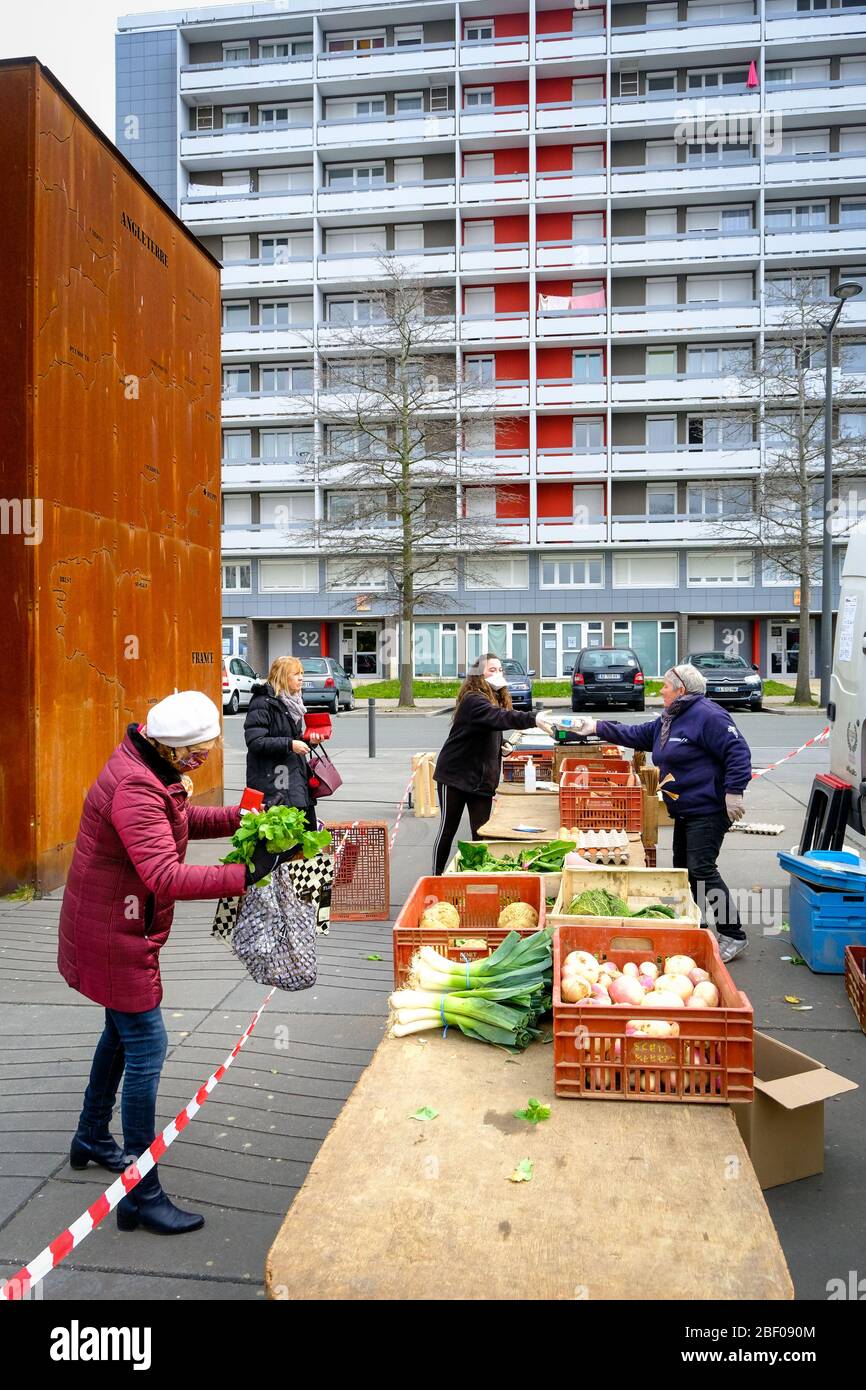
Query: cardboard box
[(783, 1128)]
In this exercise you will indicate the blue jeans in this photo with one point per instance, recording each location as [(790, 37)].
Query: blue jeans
[(132, 1046)]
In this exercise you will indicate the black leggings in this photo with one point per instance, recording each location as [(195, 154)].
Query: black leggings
[(697, 842), (452, 803)]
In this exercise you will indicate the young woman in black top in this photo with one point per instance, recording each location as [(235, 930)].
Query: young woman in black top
[(468, 767)]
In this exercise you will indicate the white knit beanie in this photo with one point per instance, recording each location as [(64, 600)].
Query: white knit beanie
[(186, 717), (689, 677)]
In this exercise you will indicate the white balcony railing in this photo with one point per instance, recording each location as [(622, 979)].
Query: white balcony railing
[(280, 274), (220, 208), (814, 167), (239, 142), (376, 130), (691, 177), (813, 25), (737, 100), (636, 460), (493, 467), (476, 327), (504, 256), (571, 115), (552, 47), (570, 323), (268, 472), (686, 318), (385, 197), (566, 531), (571, 463), (566, 391), (506, 530), (265, 405), (496, 395), (388, 62), (691, 247), (570, 183), (680, 36), (493, 120), (821, 97), (686, 387), (249, 78), (266, 340), (661, 529), (843, 238), (570, 255), (496, 189), (257, 539), (498, 52), (360, 267)]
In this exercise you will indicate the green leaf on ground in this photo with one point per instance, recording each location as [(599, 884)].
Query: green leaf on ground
[(425, 1113), (523, 1171), (534, 1113), (374, 957)]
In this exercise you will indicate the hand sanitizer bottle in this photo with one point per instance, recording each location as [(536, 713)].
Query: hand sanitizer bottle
[(529, 776)]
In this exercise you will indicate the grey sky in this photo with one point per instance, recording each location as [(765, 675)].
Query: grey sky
[(75, 39)]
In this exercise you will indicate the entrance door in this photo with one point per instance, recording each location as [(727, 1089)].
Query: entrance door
[(359, 649), (784, 649)]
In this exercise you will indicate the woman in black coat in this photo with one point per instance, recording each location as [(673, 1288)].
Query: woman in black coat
[(273, 730), (468, 767)]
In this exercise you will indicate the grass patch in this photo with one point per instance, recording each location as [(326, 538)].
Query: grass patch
[(447, 690), (777, 688), (25, 893)]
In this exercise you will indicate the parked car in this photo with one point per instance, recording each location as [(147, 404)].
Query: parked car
[(607, 676), (238, 680), (730, 679), (326, 685), (519, 683)]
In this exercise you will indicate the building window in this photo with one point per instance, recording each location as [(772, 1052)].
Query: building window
[(348, 574), (479, 31), (236, 314), (237, 509), (572, 572), (661, 500), (237, 578), (349, 176), (651, 570), (204, 118), (720, 432), (653, 643), (235, 640), (408, 35), (478, 236), (408, 102), (288, 576), (236, 117), (709, 500), (505, 640), (435, 649), (236, 381), (236, 53), (715, 567), (480, 371), (356, 43), (587, 434), (561, 642), (587, 364), (479, 98), (498, 572), (237, 445), (439, 99)]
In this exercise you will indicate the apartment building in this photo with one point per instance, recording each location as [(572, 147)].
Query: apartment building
[(618, 198)]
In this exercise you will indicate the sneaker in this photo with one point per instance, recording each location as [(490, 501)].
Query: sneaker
[(732, 946)]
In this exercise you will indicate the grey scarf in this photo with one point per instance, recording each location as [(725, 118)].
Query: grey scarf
[(296, 707), (669, 715)]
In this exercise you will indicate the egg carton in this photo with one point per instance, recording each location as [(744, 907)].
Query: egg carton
[(604, 846), (757, 827)]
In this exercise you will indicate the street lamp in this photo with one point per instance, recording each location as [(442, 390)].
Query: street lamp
[(846, 289)]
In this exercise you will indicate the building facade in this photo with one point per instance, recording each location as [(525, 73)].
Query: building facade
[(619, 200)]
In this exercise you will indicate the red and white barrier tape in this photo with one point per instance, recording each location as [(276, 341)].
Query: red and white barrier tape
[(400, 809), (19, 1284), (819, 738)]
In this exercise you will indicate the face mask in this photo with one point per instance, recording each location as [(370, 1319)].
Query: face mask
[(194, 760), (496, 681)]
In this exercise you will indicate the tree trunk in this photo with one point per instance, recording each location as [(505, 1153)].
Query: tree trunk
[(407, 694), (803, 688)]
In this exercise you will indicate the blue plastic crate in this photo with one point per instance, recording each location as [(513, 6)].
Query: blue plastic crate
[(823, 923)]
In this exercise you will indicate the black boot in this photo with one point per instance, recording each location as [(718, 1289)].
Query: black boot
[(103, 1151), (154, 1211)]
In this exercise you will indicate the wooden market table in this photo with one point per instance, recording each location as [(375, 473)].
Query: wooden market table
[(397, 1208), (541, 809)]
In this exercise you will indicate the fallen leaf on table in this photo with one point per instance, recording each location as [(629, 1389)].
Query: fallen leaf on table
[(523, 1171), (425, 1113)]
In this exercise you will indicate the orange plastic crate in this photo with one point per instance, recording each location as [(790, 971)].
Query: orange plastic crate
[(855, 981), (479, 898), (713, 1059), (573, 762), (606, 803), (362, 886), (514, 766)]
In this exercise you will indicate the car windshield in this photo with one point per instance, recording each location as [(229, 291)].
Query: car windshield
[(513, 671), (598, 660), (717, 661), (315, 666)]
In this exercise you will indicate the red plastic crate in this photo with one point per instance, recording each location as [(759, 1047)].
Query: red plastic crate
[(606, 803), (514, 766), (855, 981), (362, 886), (599, 765), (479, 898), (711, 1062)]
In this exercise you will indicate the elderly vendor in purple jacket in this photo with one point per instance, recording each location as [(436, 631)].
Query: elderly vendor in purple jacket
[(704, 769)]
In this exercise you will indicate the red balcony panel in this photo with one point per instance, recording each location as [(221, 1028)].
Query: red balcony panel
[(554, 226), (511, 26), (513, 434), (555, 499), (512, 299), (556, 21), (554, 363), (555, 431), (513, 364), (511, 231), (556, 158), (513, 501)]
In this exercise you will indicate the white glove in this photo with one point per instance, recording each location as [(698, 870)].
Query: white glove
[(583, 725), (734, 806), (545, 722)]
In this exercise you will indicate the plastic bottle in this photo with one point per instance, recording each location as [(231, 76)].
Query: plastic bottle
[(529, 776)]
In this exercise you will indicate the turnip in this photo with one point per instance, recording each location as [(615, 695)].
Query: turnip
[(679, 965), (657, 999), (697, 975), (626, 990), (584, 962), (708, 992), (652, 1028), (675, 984), (647, 981), (630, 969), (649, 967), (599, 992), (575, 989)]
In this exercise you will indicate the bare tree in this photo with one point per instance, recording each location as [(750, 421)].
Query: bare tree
[(781, 518), (392, 407)]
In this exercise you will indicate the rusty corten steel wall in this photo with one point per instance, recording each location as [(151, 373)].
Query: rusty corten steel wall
[(109, 416)]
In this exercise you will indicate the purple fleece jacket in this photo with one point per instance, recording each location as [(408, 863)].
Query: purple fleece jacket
[(705, 755)]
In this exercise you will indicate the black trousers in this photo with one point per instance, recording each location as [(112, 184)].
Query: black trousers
[(697, 842), (452, 804)]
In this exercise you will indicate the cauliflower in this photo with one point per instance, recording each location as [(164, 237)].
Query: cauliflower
[(441, 915), (518, 917)]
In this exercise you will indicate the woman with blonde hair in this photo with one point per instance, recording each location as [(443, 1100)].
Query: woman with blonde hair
[(468, 767), (273, 730)]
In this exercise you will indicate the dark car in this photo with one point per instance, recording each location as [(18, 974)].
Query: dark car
[(519, 683), (730, 679), (607, 676), (326, 685)]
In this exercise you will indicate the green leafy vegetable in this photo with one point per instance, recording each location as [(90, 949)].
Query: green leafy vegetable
[(374, 957), (534, 1113), (597, 902), (523, 1171), (281, 827), (545, 858), (655, 910)]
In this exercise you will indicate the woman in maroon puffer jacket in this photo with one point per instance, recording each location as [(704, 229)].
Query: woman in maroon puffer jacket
[(127, 872)]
